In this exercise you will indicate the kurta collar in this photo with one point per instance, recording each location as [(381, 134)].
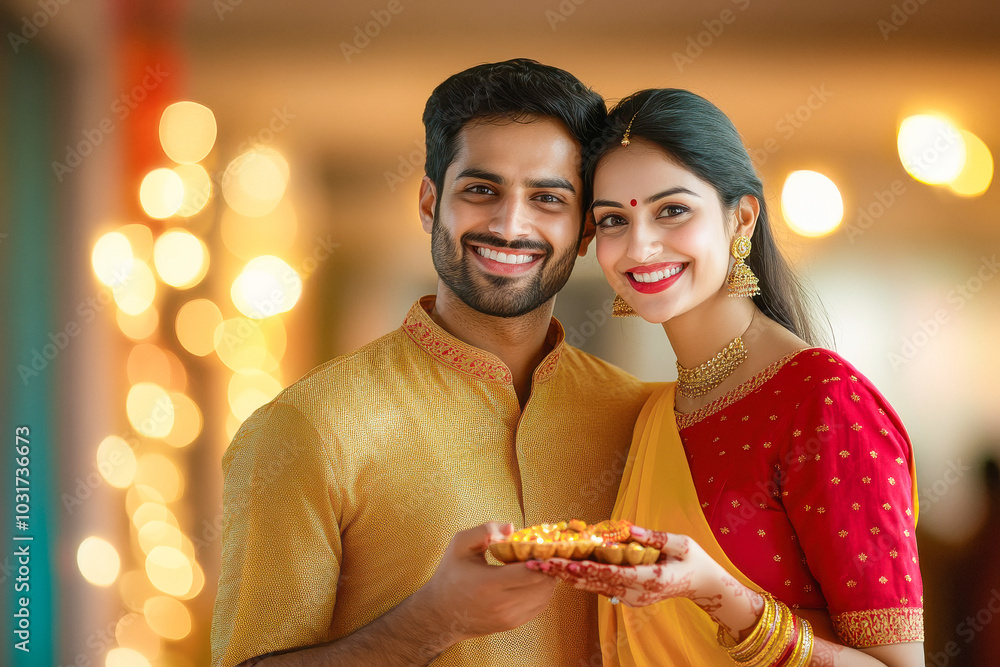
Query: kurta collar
[(470, 360)]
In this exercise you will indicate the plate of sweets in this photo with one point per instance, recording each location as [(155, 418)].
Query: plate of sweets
[(606, 542)]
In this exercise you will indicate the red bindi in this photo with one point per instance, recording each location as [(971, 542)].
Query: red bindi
[(633, 202)]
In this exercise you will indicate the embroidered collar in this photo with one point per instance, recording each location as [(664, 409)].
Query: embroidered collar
[(470, 360)]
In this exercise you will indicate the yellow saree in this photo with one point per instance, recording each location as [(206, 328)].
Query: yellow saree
[(657, 492)]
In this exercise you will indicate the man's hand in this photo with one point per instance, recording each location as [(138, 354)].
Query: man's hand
[(470, 597)]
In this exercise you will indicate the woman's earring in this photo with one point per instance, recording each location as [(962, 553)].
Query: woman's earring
[(741, 280), (620, 308)]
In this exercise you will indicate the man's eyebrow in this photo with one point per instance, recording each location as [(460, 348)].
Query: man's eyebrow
[(473, 172), (552, 183)]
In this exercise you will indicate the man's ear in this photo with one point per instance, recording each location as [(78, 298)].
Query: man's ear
[(427, 202), (747, 212), (589, 230)]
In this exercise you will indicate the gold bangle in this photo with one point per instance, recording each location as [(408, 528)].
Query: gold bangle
[(804, 647), (761, 632), (778, 647), (777, 639)]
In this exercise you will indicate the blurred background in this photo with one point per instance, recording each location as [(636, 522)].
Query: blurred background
[(200, 201)]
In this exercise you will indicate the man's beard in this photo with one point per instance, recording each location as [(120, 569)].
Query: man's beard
[(502, 296)]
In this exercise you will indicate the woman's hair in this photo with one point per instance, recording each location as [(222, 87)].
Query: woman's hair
[(699, 137)]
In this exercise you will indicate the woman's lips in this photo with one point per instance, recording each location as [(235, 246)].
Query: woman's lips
[(654, 278)]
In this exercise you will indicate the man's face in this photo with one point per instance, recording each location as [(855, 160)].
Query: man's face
[(506, 227)]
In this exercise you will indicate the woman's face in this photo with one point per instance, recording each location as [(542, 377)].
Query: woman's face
[(663, 236)]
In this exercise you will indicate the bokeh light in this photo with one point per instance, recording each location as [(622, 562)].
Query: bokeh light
[(187, 421), (181, 259), (811, 203), (134, 589), (187, 131), (160, 533), (137, 292), (931, 148), (98, 561), (148, 363), (254, 182), (150, 409), (168, 617), (161, 193), (266, 286), (152, 511), (195, 325), (249, 389), (133, 632), (140, 237), (240, 343), (159, 472), (138, 327), (116, 461), (112, 259), (197, 189), (977, 174), (170, 570), (247, 237), (125, 657), (197, 581)]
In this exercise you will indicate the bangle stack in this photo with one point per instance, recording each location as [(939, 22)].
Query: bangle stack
[(780, 639)]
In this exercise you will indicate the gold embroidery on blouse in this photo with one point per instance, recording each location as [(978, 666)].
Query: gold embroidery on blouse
[(875, 627), (684, 420)]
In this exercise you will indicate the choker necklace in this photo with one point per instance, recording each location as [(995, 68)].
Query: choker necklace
[(698, 381)]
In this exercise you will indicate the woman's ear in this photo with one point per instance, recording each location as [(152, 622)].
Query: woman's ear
[(428, 198), (747, 212)]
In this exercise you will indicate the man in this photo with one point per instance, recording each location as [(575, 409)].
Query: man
[(343, 496)]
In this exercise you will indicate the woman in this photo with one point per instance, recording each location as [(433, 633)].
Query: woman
[(784, 468)]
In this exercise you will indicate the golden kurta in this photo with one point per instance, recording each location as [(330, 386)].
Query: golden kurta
[(342, 494)]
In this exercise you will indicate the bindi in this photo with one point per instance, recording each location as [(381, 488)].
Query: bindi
[(633, 202)]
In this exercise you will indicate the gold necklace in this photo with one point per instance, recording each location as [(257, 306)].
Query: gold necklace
[(698, 381)]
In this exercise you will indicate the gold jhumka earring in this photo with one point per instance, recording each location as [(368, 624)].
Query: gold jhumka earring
[(620, 308), (741, 280)]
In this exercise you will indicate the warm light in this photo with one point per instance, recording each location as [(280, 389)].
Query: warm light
[(138, 327), (931, 148), (249, 389), (116, 461), (98, 561), (138, 290), (977, 174), (167, 617), (267, 286), (125, 657), (159, 472), (152, 511), (180, 258), (112, 259), (197, 188), (811, 203), (187, 131), (134, 589), (150, 409), (159, 533), (248, 237), (240, 343), (140, 237), (169, 570), (196, 323), (277, 340), (254, 182), (187, 421), (133, 632), (148, 363), (197, 581), (161, 193)]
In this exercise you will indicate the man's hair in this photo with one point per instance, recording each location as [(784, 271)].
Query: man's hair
[(512, 90)]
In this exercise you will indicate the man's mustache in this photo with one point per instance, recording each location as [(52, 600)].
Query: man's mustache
[(498, 242)]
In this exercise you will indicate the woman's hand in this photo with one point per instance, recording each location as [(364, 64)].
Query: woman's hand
[(683, 570)]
